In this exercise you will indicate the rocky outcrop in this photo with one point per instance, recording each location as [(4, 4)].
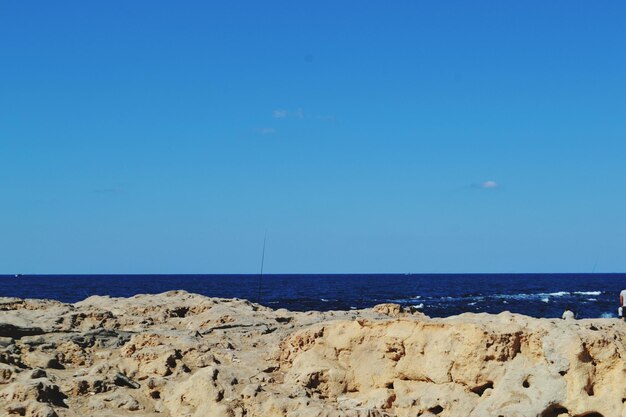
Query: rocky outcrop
[(180, 354)]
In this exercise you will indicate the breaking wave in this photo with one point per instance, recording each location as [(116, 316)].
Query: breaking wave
[(473, 298)]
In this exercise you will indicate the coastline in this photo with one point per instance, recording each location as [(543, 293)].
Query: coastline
[(183, 354), (437, 295)]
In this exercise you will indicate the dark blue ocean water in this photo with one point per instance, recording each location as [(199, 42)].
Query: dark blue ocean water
[(539, 295)]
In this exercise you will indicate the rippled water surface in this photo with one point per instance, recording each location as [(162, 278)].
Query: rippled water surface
[(539, 295)]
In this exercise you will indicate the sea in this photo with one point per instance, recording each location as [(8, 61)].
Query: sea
[(436, 295)]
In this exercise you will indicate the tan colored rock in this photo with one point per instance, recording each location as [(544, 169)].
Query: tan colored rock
[(183, 355), (201, 395), (389, 309), (465, 367), (31, 409), (6, 373), (41, 390), (43, 360), (88, 385), (115, 400), (69, 353)]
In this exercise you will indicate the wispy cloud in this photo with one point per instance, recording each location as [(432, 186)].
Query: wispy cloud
[(485, 185), (280, 114), (266, 130), (284, 114), (300, 114)]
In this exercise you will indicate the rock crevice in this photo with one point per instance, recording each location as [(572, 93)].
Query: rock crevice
[(180, 354)]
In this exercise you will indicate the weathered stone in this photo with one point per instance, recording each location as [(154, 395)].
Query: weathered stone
[(15, 332), (181, 354)]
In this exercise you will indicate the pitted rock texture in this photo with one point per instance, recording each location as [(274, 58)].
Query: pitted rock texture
[(180, 354)]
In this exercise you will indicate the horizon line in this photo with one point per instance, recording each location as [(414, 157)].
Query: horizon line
[(306, 273)]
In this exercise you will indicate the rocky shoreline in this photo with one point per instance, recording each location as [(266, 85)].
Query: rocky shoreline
[(181, 354)]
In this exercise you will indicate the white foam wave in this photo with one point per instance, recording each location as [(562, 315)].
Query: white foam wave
[(420, 305), (521, 296), (543, 296), (606, 315), (473, 298)]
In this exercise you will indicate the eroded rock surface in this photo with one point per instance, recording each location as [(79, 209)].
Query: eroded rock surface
[(180, 354)]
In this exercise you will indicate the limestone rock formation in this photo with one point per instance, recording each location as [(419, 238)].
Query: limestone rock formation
[(185, 355)]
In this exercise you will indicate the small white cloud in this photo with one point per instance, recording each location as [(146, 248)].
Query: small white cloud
[(489, 184), (291, 114), (266, 130), (280, 114)]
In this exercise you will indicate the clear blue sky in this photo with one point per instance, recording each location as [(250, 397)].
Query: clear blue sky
[(441, 136)]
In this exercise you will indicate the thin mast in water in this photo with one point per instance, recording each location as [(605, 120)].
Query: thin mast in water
[(262, 263)]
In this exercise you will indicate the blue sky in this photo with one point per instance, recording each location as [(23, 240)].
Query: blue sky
[(162, 137)]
